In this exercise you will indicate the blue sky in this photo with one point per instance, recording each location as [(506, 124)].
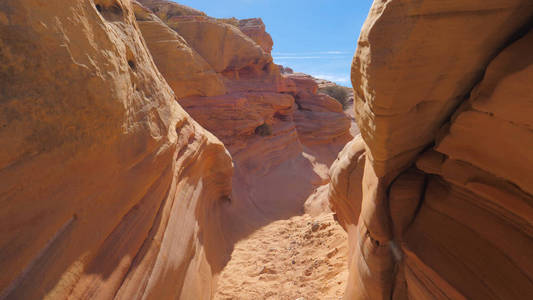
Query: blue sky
[(317, 37)]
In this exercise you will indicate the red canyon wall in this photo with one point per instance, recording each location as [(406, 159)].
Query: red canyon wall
[(437, 196)]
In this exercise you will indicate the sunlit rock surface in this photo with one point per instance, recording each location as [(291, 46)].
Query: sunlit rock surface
[(108, 188), (443, 102), (281, 132)]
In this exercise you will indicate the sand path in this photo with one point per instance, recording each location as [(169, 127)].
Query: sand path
[(303, 257)]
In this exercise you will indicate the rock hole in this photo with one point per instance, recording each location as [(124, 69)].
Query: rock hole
[(116, 9), (131, 63), (110, 12), (263, 130), (247, 72), (281, 117)]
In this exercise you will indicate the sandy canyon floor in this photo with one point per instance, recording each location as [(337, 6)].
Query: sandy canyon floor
[(303, 257)]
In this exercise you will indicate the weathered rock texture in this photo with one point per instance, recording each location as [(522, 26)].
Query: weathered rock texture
[(165, 9), (108, 188), (184, 69), (443, 101), (282, 134), (256, 30)]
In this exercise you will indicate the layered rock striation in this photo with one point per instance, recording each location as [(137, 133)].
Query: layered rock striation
[(109, 186), (281, 132), (187, 73), (443, 102), (256, 30), (109, 189)]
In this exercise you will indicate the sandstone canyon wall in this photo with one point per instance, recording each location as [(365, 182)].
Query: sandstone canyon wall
[(437, 194), (281, 132), (109, 187)]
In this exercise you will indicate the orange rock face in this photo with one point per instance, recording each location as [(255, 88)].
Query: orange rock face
[(108, 188), (222, 45), (256, 30), (281, 133), (187, 73), (166, 9), (444, 107), (346, 175), (420, 95)]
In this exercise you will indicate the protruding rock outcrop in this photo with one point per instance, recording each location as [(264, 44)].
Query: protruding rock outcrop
[(319, 118), (108, 188), (184, 69), (346, 175), (166, 9), (443, 102), (222, 45), (256, 30)]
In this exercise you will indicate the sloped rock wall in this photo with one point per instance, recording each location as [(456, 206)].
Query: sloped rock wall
[(108, 188)]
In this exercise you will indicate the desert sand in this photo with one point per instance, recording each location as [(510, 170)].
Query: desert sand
[(303, 257)]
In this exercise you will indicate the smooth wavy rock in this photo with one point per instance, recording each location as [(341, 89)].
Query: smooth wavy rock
[(109, 189), (443, 101), (187, 73)]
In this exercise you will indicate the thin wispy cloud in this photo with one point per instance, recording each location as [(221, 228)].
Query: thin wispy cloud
[(332, 65), (328, 55), (298, 57), (334, 78), (310, 53), (335, 52)]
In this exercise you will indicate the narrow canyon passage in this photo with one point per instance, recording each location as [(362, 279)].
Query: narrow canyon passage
[(151, 151), (283, 130), (298, 250), (301, 257)]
